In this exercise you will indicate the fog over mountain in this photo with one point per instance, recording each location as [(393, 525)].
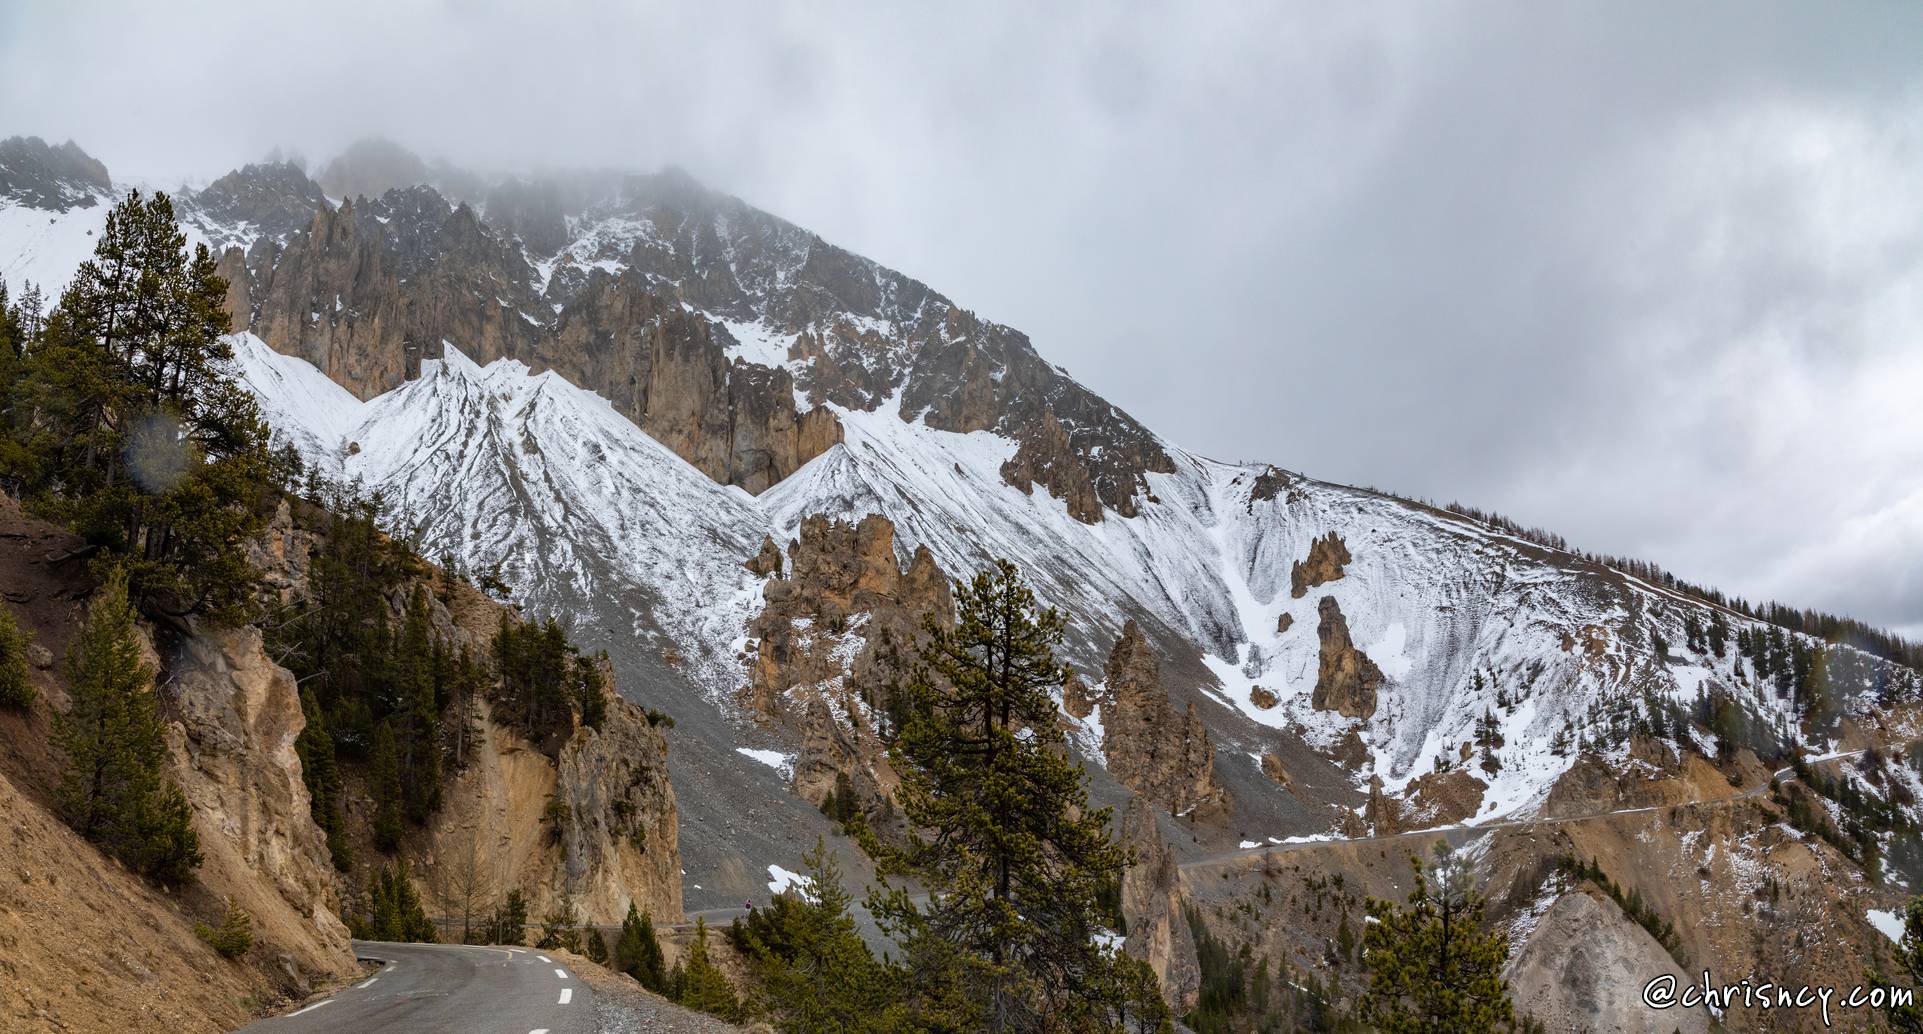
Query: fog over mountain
[(1650, 282)]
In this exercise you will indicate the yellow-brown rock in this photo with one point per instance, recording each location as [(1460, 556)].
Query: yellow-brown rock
[(1346, 679)]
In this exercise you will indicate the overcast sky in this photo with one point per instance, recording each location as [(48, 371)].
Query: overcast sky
[(1649, 275)]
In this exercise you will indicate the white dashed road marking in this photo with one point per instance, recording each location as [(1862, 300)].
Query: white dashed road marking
[(562, 973), (538, 1030), (364, 985), (567, 995), (544, 958), (311, 1008)]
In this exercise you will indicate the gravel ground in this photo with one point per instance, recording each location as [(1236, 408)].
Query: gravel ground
[(624, 1008)]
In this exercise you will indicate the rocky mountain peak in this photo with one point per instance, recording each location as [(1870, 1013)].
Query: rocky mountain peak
[(266, 198), (53, 177)]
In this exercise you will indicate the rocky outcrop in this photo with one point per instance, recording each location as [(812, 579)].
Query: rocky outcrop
[(1345, 679), (271, 199), (1047, 457), (833, 634), (54, 178), (663, 368), (1444, 798), (1077, 702), (371, 288), (1167, 759), (1381, 814), (1263, 699), (239, 303), (1327, 557), (1273, 768), (1582, 966), (232, 747), (590, 816), (620, 844), (767, 562), (1158, 932)]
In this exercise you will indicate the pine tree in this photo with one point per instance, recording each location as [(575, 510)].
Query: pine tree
[(704, 987), (1434, 965), (597, 946), (816, 974), (114, 790), (394, 910), (1000, 828), (560, 928), (234, 937), (16, 686), (509, 925), (384, 782), (143, 440), (418, 713), (320, 770), (638, 953)]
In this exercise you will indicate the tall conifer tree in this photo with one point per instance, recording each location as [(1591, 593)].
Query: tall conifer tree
[(1000, 828), (114, 789), (1435, 965)]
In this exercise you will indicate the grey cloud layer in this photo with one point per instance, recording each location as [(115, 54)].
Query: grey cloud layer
[(1645, 274)]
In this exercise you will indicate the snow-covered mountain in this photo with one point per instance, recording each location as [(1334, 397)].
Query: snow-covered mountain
[(614, 402)]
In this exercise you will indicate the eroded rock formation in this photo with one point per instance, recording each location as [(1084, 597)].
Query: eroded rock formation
[(1346, 679), (1582, 965), (833, 634), (1167, 759), (1327, 557), (1158, 932)]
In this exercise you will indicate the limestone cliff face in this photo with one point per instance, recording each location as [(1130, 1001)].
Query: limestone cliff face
[(232, 747), (1346, 679), (1166, 759), (1158, 933), (367, 290), (665, 369), (622, 841), (625, 285), (832, 634), (372, 287), (614, 836), (616, 842)]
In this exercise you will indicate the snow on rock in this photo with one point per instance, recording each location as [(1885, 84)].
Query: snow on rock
[(782, 763), (44, 247), (584, 516), (1888, 923), (499, 466), (780, 881)]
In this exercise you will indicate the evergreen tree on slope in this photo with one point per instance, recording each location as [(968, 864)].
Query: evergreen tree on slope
[(1001, 831)]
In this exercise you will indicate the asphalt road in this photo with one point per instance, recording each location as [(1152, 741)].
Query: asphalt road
[(447, 989)]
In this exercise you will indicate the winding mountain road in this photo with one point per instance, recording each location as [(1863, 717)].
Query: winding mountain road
[(447, 989), (1468, 831), (457, 989)]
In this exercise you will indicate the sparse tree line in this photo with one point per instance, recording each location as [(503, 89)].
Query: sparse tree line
[(1829, 628)]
